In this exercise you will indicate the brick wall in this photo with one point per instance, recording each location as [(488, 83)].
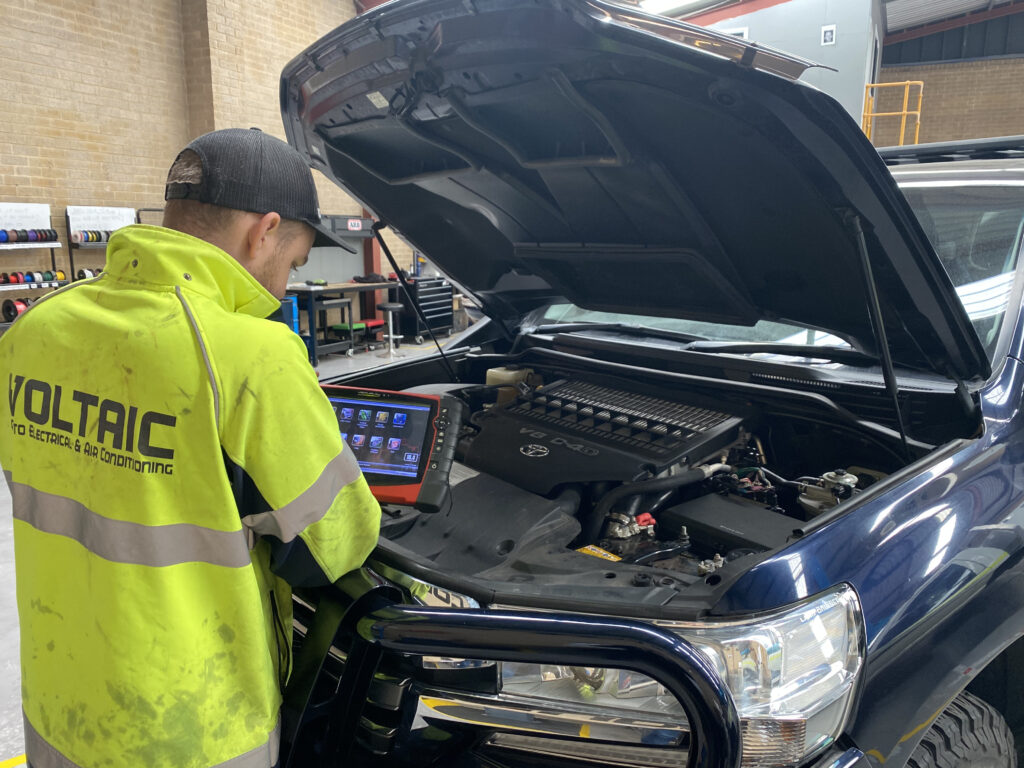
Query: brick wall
[(93, 95), (962, 100), (198, 67), (99, 95), (251, 41)]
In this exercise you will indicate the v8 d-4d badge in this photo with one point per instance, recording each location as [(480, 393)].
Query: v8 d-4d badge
[(534, 451)]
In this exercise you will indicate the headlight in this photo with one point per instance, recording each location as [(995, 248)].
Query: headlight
[(791, 674)]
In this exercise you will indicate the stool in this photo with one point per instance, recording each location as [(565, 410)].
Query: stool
[(389, 308), (362, 333)]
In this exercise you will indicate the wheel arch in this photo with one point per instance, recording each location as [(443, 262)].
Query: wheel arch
[(1000, 684)]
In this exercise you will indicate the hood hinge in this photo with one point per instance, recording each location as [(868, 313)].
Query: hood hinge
[(967, 402)]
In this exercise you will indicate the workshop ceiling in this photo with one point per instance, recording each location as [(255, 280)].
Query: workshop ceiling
[(901, 14)]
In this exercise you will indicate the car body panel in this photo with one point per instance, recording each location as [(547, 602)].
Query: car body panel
[(910, 553), (934, 553), (410, 109), (940, 586), (551, 149)]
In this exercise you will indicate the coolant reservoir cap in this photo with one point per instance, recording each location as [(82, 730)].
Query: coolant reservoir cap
[(840, 477)]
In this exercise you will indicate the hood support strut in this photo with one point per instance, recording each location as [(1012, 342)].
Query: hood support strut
[(852, 220), (377, 227)]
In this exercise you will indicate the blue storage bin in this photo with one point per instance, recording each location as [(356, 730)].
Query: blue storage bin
[(289, 313)]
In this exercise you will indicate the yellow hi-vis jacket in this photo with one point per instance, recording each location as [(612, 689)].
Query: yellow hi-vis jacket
[(171, 457)]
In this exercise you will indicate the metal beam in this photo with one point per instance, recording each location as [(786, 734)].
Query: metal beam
[(742, 8), (362, 6), (960, 21)]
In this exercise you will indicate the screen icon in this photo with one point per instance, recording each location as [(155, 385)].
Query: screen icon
[(399, 420), (364, 415), (412, 457), (394, 443), (376, 440), (382, 417), (358, 440), (346, 414), (344, 437)]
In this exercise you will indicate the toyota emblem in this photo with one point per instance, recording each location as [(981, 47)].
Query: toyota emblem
[(534, 451)]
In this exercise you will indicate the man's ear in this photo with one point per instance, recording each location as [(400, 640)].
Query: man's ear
[(261, 231)]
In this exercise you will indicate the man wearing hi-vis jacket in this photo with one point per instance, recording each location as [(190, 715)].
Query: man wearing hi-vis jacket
[(174, 466)]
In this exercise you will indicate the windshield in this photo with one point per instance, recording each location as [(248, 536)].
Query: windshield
[(975, 229)]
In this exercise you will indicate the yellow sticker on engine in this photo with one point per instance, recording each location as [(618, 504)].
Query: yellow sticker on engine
[(604, 554)]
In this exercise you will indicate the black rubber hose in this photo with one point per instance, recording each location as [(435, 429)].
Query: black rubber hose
[(634, 505), (610, 499), (569, 500), (660, 502), (780, 480)]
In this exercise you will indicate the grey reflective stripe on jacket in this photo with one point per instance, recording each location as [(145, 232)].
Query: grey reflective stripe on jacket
[(121, 541), (311, 505), (41, 754), (202, 348)]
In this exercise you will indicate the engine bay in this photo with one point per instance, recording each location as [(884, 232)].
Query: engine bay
[(563, 486)]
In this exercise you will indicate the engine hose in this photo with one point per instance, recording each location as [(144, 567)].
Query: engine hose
[(634, 505), (780, 480), (569, 500), (660, 502), (610, 499)]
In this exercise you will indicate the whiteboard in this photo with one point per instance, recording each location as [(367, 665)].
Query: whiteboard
[(95, 217), (24, 216)]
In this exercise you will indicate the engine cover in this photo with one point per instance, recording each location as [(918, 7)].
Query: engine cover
[(576, 432)]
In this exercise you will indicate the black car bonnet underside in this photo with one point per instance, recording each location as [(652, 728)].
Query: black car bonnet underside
[(570, 148)]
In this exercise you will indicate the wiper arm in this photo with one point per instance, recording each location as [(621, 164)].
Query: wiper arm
[(632, 329), (835, 354)]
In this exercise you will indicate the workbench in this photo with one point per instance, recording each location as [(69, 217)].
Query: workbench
[(316, 299)]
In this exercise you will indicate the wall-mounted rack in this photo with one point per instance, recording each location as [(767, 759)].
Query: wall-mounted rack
[(90, 227)]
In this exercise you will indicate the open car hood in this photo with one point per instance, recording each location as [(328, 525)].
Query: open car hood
[(625, 162)]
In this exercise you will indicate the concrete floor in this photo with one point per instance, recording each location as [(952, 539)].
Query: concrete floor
[(12, 737), (333, 365)]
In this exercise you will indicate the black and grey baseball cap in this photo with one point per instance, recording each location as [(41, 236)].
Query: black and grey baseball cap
[(249, 170)]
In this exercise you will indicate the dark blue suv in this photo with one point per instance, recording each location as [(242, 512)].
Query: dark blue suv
[(739, 477)]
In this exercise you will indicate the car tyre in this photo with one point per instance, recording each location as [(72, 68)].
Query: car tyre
[(968, 734)]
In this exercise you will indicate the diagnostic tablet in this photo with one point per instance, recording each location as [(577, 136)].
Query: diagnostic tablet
[(404, 443)]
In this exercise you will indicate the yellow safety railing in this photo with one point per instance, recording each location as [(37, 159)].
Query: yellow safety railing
[(869, 108)]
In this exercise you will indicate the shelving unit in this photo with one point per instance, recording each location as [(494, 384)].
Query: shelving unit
[(34, 286), (152, 216), (89, 218), (26, 216), (48, 244)]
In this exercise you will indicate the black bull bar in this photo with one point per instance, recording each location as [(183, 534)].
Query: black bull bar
[(377, 622)]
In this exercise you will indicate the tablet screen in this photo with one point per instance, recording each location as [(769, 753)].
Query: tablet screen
[(387, 437)]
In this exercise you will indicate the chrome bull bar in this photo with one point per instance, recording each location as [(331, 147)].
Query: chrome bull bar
[(380, 624)]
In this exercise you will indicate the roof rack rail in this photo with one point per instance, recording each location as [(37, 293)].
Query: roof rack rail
[(962, 149)]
